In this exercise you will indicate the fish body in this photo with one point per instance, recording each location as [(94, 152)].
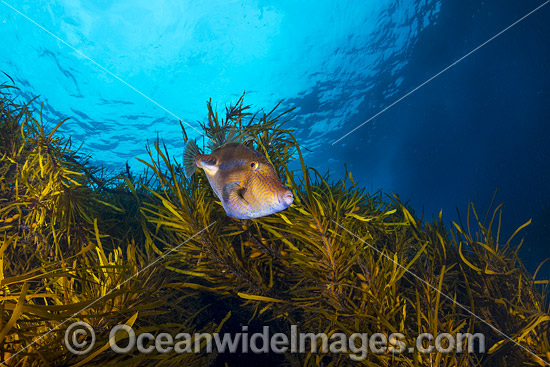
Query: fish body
[(243, 179)]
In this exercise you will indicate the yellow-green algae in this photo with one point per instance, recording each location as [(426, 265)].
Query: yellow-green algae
[(73, 237)]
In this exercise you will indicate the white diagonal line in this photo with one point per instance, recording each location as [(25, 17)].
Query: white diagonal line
[(443, 294), (106, 294), (442, 71), (101, 66)]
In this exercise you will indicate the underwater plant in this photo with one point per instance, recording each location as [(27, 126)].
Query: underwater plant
[(157, 252)]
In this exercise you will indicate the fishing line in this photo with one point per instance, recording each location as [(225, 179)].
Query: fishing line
[(102, 67), (443, 294), (3, 363), (442, 71)]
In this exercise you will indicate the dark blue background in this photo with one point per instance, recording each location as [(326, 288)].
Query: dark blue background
[(481, 126)]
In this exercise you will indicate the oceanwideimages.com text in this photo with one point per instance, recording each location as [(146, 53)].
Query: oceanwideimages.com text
[(80, 339)]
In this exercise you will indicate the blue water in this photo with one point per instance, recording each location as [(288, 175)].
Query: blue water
[(482, 125)]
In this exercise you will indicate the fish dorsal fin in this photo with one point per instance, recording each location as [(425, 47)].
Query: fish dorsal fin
[(227, 136)]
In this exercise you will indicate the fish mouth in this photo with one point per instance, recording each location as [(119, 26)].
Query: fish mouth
[(286, 198)]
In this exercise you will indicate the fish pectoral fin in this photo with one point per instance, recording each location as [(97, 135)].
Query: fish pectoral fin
[(240, 193), (234, 191)]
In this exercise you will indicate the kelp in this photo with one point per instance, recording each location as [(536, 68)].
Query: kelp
[(70, 252), (157, 252)]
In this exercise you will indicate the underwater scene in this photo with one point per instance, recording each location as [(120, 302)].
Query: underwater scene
[(274, 183)]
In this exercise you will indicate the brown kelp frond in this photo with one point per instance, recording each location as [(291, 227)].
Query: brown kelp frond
[(157, 252), (261, 131), (72, 248)]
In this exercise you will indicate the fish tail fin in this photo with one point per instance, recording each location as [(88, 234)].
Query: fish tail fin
[(189, 154)]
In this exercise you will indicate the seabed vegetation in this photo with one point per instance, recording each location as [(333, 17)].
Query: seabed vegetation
[(156, 251)]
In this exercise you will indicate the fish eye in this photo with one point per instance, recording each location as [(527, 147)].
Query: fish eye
[(253, 165)]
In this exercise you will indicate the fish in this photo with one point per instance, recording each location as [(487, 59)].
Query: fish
[(243, 179)]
